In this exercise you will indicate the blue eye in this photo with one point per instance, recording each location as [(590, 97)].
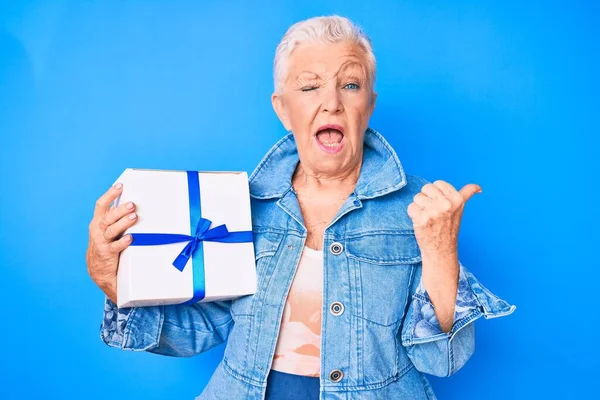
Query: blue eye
[(352, 86)]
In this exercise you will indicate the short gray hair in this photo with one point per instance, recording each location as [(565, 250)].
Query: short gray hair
[(325, 29)]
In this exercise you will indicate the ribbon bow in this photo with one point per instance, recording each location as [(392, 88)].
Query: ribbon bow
[(203, 233)]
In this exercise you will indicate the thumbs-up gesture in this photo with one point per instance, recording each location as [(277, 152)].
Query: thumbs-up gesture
[(436, 212)]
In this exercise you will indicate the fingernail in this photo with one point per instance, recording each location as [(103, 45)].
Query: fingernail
[(118, 186), (128, 237), (132, 216), (479, 191), (129, 206)]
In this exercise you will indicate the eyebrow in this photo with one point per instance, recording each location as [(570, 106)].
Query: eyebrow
[(349, 64), (306, 72)]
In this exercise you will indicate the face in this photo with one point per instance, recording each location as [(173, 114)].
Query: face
[(326, 101)]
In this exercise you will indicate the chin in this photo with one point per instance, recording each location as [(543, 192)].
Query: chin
[(331, 165)]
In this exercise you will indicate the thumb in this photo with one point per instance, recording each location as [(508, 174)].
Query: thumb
[(469, 190)]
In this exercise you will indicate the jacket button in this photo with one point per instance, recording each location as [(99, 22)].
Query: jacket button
[(336, 248), (336, 375), (336, 308)]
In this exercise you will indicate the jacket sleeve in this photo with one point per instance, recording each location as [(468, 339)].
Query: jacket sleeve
[(174, 330), (440, 353)]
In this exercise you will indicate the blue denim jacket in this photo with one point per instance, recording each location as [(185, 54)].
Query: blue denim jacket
[(387, 336)]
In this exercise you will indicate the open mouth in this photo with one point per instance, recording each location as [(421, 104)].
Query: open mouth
[(330, 138)]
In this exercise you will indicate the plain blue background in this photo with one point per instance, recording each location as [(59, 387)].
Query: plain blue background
[(502, 94)]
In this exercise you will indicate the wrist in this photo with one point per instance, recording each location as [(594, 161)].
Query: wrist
[(109, 286), (440, 274), (439, 256)]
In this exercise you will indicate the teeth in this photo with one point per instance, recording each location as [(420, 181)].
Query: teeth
[(330, 144)]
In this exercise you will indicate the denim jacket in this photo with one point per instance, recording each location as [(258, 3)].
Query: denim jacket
[(378, 345)]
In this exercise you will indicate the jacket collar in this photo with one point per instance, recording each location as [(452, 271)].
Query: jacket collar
[(381, 171)]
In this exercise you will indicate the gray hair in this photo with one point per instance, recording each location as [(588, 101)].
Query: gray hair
[(325, 29)]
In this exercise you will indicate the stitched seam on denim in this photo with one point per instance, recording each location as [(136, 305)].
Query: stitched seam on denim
[(392, 152), (458, 325), (380, 324), (369, 386), (266, 253), (346, 265), (266, 159), (396, 351), (161, 320), (359, 323), (450, 358), (245, 351), (239, 376), (407, 305), (197, 329), (344, 212), (411, 280), (461, 323), (324, 317), (413, 326), (427, 387), (371, 232), (397, 163), (127, 329), (247, 313), (379, 261), (361, 315), (289, 213), (277, 258), (264, 229), (249, 332), (476, 296), (501, 313), (281, 303), (486, 291), (274, 244), (407, 340), (423, 298)]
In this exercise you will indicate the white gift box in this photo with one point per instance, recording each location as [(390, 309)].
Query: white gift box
[(146, 274)]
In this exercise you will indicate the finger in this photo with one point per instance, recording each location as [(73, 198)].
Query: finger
[(432, 191), (115, 214), (469, 190), (422, 200), (104, 201), (116, 230), (449, 191), (414, 211), (119, 245)]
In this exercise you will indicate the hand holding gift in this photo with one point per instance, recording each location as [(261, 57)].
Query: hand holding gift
[(106, 240), (192, 240)]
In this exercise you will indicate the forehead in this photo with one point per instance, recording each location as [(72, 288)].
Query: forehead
[(323, 58)]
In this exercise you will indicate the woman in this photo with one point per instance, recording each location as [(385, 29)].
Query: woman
[(360, 290)]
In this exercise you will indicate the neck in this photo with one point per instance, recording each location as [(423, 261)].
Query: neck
[(310, 180)]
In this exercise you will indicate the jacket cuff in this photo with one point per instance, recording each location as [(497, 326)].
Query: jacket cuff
[(131, 328), (473, 300)]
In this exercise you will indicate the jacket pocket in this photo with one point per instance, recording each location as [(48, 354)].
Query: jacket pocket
[(384, 264), (266, 244)]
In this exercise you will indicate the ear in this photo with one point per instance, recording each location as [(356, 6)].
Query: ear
[(277, 102)]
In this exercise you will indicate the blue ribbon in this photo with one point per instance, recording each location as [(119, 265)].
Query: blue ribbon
[(200, 234)]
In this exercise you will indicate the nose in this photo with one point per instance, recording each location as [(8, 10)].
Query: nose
[(332, 101)]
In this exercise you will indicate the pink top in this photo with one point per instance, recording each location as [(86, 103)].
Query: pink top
[(298, 349)]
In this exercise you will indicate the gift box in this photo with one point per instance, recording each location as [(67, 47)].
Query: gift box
[(192, 240)]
